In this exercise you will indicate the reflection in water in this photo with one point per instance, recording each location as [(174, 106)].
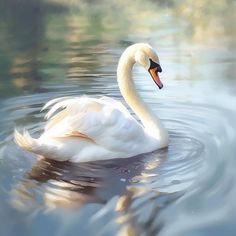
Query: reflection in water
[(25, 41), (141, 186), (67, 184)]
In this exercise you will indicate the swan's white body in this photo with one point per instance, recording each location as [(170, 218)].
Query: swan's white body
[(89, 129)]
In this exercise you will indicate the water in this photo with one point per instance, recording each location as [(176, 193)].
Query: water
[(60, 48)]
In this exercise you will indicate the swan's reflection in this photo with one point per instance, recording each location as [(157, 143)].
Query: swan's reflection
[(65, 184)]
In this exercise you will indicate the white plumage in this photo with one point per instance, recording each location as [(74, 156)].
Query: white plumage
[(83, 129)]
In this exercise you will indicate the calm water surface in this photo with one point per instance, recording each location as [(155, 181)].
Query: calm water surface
[(69, 48)]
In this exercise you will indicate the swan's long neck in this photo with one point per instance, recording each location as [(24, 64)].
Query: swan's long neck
[(127, 87)]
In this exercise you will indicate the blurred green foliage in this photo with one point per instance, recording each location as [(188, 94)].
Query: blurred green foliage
[(40, 38)]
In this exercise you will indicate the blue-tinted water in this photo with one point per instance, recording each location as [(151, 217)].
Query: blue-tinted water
[(59, 48)]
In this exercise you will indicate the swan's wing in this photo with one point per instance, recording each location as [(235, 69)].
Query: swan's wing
[(104, 121)]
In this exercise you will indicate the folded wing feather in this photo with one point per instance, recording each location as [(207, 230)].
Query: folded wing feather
[(98, 120)]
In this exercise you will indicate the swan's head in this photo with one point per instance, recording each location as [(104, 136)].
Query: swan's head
[(146, 56)]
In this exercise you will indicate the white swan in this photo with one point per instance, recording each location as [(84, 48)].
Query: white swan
[(81, 129)]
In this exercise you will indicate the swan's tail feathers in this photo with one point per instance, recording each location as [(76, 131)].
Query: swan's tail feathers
[(25, 141), (30, 144)]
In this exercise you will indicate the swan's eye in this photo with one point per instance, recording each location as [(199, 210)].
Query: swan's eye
[(155, 65)]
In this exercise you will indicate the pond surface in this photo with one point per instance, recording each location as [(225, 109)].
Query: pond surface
[(58, 48)]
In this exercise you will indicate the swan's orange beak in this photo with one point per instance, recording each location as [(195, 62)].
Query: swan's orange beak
[(154, 73)]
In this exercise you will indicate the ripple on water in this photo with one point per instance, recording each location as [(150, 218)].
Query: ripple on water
[(153, 178), (135, 188)]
